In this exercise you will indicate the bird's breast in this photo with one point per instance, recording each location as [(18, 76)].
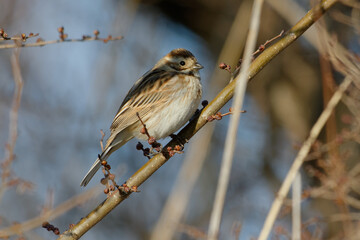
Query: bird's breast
[(178, 110)]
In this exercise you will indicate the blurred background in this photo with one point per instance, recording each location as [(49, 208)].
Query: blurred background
[(72, 90)]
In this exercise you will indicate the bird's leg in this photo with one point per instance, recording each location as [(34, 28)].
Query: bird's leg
[(198, 111), (181, 141)]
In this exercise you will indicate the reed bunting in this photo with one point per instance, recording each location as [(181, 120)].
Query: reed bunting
[(165, 98)]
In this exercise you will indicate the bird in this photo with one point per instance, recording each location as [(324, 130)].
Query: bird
[(164, 98)]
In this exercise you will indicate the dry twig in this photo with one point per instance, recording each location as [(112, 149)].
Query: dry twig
[(230, 142), (20, 40), (196, 124), (51, 214), (314, 133), (6, 175)]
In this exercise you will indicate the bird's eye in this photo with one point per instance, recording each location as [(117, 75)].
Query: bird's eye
[(182, 63)]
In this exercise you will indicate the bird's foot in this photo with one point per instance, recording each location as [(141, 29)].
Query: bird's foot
[(198, 111), (181, 141)]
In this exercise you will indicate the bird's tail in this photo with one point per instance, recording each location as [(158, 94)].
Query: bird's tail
[(94, 168), (116, 143)]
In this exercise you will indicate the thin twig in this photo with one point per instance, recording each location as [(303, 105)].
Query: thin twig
[(51, 214), (196, 124), (291, 11), (41, 43), (230, 142), (22, 37), (296, 208), (262, 46), (270, 219), (13, 123), (144, 130)]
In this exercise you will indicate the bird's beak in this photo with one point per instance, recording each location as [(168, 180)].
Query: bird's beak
[(198, 66)]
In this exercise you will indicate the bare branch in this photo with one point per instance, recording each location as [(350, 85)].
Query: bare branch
[(43, 43), (197, 123), (13, 125), (296, 208), (20, 40), (50, 214), (230, 142), (314, 133)]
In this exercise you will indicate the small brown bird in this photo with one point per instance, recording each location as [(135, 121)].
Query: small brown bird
[(165, 98)]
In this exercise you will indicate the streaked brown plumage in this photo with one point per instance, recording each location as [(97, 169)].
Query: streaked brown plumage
[(165, 98)]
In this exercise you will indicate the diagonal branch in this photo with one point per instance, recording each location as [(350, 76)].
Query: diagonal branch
[(303, 152), (196, 124)]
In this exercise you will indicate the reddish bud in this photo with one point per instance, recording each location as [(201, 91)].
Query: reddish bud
[(56, 231), (60, 29), (151, 140), (222, 65), (126, 189), (210, 118)]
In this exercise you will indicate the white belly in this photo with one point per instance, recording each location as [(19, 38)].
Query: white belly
[(175, 113)]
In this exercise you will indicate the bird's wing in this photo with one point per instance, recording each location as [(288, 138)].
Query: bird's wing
[(147, 95)]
